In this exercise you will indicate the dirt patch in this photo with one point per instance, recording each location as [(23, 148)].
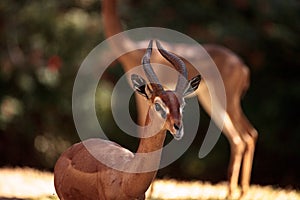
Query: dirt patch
[(25, 183), (31, 184)]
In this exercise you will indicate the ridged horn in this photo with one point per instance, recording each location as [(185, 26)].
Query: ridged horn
[(179, 66), (154, 82)]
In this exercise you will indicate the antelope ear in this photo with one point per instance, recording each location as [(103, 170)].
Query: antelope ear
[(140, 86), (193, 85)]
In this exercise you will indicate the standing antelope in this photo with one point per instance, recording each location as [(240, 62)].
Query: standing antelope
[(241, 134), (79, 175)]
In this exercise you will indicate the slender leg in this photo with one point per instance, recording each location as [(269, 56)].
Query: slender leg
[(237, 146), (248, 135), (250, 138)]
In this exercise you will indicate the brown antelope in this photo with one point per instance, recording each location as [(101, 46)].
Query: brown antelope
[(80, 175), (235, 74)]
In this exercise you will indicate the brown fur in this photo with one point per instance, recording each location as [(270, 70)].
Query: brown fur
[(235, 74)]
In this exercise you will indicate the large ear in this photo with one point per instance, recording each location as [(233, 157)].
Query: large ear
[(193, 85), (140, 85)]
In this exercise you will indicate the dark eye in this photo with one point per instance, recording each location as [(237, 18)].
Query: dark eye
[(158, 108)]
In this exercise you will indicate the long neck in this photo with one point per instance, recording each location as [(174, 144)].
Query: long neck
[(121, 43), (147, 157), (111, 21)]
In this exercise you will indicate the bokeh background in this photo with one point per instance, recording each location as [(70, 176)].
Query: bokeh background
[(42, 44)]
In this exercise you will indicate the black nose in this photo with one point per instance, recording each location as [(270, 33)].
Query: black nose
[(176, 127)]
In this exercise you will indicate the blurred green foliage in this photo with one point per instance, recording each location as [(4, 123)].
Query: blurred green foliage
[(44, 42)]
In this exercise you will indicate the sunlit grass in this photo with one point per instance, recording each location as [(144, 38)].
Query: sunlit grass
[(31, 184)]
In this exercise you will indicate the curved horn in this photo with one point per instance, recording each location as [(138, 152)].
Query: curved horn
[(154, 82), (179, 66)]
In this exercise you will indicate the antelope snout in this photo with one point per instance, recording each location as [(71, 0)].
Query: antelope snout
[(177, 131)]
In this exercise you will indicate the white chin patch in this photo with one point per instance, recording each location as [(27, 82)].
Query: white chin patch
[(178, 134)]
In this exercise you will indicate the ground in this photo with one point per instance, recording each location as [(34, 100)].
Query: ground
[(31, 184)]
